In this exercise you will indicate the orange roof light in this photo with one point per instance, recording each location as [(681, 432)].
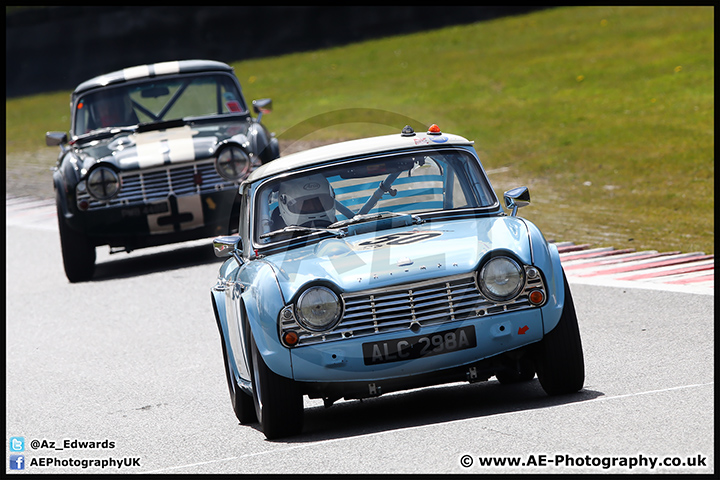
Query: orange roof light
[(434, 130)]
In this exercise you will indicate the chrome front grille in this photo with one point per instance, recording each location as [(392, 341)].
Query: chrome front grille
[(419, 304), (147, 186)]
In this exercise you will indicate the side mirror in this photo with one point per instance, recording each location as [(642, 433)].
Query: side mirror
[(517, 198), (53, 139), (227, 247), (262, 106)]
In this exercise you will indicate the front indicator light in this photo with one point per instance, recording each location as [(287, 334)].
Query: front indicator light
[(290, 338), (536, 297)]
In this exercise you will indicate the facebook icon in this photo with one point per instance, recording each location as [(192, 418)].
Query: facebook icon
[(17, 462)]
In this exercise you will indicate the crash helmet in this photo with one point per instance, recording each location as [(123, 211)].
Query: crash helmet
[(111, 108), (307, 201)]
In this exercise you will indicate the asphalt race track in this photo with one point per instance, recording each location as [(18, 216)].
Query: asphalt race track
[(125, 374)]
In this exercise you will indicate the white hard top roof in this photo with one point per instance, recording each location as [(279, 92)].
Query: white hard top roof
[(152, 70), (363, 146)]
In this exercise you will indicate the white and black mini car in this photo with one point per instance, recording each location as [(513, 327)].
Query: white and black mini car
[(155, 156)]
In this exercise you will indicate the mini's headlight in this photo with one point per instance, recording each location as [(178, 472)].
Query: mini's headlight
[(233, 163), (318, 308), (501, 279), (103, 183)]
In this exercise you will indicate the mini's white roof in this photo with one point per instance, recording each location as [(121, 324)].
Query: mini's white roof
[(352, 148), (152, 70)]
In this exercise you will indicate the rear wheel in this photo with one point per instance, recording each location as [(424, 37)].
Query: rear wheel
[(278, 400), (559, 356), (77, 251)]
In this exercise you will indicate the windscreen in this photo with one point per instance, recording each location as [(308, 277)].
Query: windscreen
[(402, 184), (157, 100)]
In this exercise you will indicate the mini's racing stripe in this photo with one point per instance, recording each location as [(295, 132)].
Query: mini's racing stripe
[(151, 70), (181, 149), (136, 72), (165, 68), (162, 147)]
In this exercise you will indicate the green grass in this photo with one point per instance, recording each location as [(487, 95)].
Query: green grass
[(606, 113)]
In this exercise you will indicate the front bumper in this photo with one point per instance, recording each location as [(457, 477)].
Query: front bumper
[(343, 361)]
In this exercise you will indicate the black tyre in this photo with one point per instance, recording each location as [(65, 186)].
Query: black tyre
[(77, 251), (524, 371), (278, 400), (272, 151), (242, 402), (559, 357)]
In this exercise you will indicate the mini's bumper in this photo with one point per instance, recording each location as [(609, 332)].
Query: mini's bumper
[(175, 218)]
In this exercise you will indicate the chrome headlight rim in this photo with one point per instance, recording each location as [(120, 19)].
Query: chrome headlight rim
[(487, 278), (324, 318), (102, 183), (233, 163)]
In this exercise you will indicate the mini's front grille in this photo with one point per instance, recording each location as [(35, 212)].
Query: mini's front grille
[(147, 186), (400, 308)]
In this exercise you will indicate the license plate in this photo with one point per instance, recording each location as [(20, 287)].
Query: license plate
[(419, 346), (145, 210)]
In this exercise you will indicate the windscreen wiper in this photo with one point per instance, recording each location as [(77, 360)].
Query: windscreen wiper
[(299, 229), (369, 217), (161, 125), (104, 133)]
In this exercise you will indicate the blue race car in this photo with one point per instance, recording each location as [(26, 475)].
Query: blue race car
[(384, 264)]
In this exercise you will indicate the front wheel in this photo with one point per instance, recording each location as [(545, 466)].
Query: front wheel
[(77, 251), (524, 371), (278, 400), (242, 403), (559, 356)]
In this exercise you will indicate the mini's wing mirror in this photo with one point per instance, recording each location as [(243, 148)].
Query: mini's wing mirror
[(53, 139), (228, 246), (262, 106), (517, 198)]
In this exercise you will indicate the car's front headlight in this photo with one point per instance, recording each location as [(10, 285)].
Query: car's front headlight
[(318, 308), (501, 279), (103, 183), (233, 163)]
